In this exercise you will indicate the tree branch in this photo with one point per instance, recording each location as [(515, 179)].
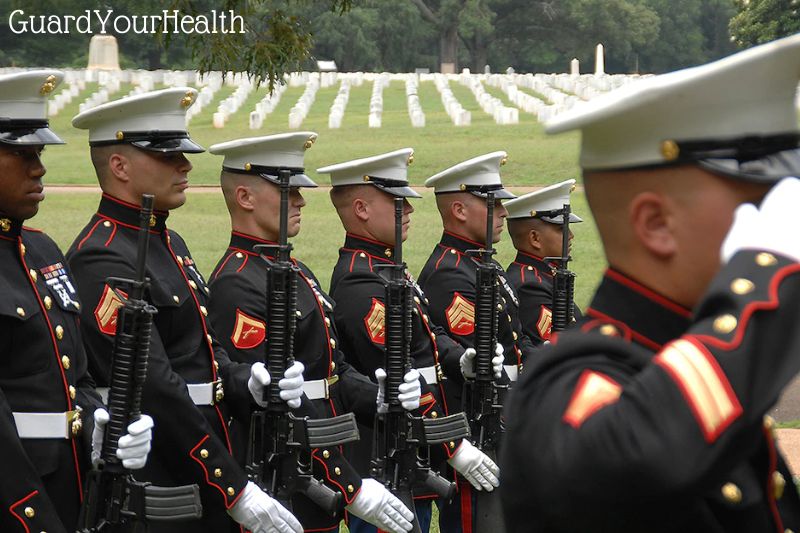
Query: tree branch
[(426, 12)]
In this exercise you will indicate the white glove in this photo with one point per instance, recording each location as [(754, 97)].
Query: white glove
[(132, 448), (409, 391), (769, 227), (291, 385), (380, 507), (259, 513), (467, 362), (475, 466)]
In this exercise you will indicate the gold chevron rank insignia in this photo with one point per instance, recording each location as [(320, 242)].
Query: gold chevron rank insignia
[(375, 322), (248, 332), (461, 315), (703, 384), (545, 323), (593, 392), (106, 311)]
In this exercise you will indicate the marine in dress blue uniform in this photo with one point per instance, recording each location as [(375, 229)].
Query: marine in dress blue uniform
[(537, 236), (192, 388), (650, 414)]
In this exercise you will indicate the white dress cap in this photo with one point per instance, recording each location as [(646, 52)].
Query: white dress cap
[(23, 107), (733, 116), (388, 172), (266, 156), (153, 121), (475, 175), (542, 203)]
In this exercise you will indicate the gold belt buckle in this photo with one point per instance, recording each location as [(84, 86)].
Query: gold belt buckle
[(329, 382), (74, 422), (439, 373)]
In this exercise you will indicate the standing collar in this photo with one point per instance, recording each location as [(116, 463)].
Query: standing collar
[(247, 243), (652, 318), (524, 258), (374, 248), (459, 242), (10, 228), (127, 214)]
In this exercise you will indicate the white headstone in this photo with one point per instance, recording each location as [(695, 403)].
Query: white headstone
[(103, 53), (575, 67)]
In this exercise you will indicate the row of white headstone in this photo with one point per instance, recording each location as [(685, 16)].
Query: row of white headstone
[(412, 101), (376, 101), (300, 110), (232, 103), (453, 108), (501, 113), (336, 113), (265, 106)]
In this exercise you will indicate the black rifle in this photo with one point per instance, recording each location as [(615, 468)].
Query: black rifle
[(401, 453), (113, 500), (483, 395), (563, 279), (280, 444)]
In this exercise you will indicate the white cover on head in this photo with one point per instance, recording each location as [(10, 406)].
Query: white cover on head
[(163, 110), (281, 150), (545, 199), (391, 166), (483, 170), (23, 95), (747, 94)]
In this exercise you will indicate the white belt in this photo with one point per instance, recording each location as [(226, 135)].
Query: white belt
[(200, 393), (512, 371), (429, 373), (48, 425), (319, 389)]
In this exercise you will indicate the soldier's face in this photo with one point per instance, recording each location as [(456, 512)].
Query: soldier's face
[(551, 240), (21, 188), (382, 217), (476, 218), (164, 175), (268, 210)]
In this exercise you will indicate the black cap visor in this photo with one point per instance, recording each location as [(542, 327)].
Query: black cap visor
[(767, 169), (573, 219), (499, 194), (296, 180), (30, 136), (180, 144)]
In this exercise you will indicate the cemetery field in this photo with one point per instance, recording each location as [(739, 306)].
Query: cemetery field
[(534, 158)]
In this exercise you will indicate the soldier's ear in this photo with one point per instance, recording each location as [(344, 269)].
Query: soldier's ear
[(244, 198), (458, 210), (361, 209), (651, 220), (119, 167), (533, 239)]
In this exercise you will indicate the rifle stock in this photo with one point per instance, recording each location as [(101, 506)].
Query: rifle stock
[(280, 444), (114, 501)]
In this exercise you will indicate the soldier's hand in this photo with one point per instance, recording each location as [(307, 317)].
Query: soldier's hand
[(259, 513), (409, 391), (475, 466), (133, 447), (767, 227), (381, 508), (467, 362), (291, 385)]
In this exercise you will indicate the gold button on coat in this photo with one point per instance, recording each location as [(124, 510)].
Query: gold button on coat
[(731, 493), (765, 259), (71, 392), (59, 332), (48, 302), (337, 471), (742, 286), (33, 274), (204, 310), (350, 489), (217, 472), (65, 362), (725, 323), (778, 484), (608, 330), (29, 512), (20, 311), (231, 491), (192, 284), (326, 454), (204, 453)]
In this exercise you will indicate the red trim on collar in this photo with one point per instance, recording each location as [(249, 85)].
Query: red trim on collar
[(123, 224), (367, 239), (621, 278), (532, 256), (128, 204), (461, 237), (252, 237), (369, 255), (35, 230)]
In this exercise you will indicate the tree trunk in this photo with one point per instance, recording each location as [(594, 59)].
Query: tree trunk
[(480, 55), (154, 58), (448, 50)]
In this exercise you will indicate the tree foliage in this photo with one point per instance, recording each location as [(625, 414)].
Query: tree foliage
[(761, 21)]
